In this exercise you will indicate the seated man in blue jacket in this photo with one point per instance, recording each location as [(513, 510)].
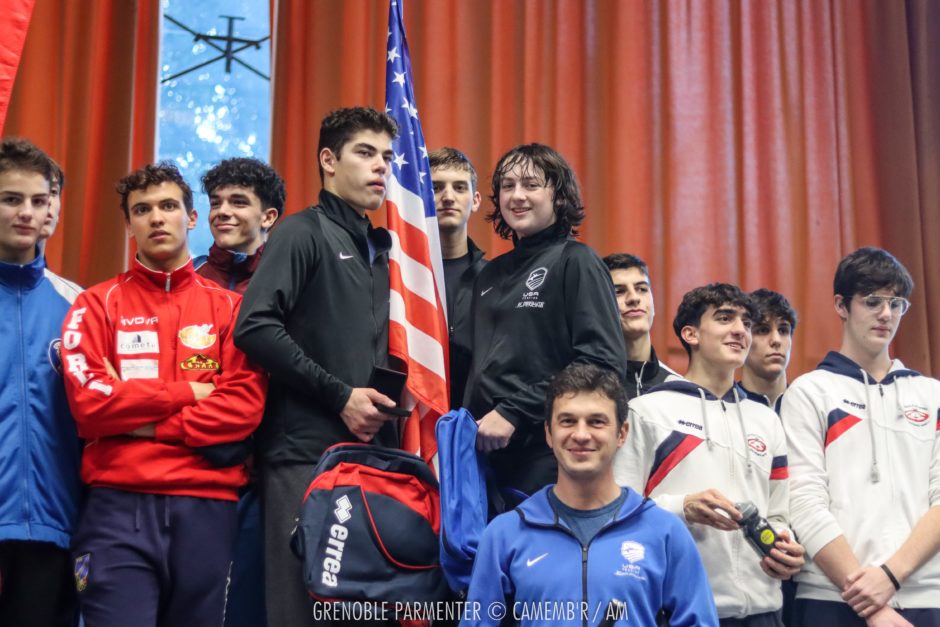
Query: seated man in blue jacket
[(586, 551)]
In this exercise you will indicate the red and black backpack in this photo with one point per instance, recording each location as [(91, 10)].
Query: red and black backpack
[(368, 527)]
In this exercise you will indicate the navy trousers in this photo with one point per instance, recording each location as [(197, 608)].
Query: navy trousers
[(153, 559)]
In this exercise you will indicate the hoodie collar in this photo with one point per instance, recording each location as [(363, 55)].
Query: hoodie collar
[(762, 399), (537, 510), (164, 281), (837, 363), (27, 275), (692, 389)]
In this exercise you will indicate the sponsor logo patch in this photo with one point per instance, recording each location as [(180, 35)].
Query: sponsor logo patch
[(137, 342), (139, 369), (197, 336), (199, 362), (81, 571)]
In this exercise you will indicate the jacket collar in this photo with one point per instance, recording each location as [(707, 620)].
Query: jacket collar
[(475, 253), (648, 369), (164, 281), (838, 363), (361, 229), (537, 510), (762, 399), (544, 238), (25, 276), (691, 389), (232, 262)]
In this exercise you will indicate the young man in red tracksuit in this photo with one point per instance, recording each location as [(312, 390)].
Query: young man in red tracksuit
[(159, 393)]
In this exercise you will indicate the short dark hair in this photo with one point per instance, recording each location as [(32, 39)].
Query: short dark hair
[(868, 270), (153, 174), (251, 174), (338, 127), (697, 301), (625, 261), (586, 378), (21, 154), (448, 157), (774, 305), (58, 176), (569, 210)]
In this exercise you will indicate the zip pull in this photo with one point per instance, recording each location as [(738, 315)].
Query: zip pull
[(881, 390), (723, 408), (168, 281)]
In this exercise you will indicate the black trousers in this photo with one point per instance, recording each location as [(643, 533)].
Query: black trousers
[(35, 584)]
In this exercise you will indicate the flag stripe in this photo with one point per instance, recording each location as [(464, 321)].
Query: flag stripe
[(417, 326)]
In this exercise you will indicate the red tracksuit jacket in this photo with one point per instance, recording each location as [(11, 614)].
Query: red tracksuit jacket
[(159, 330)]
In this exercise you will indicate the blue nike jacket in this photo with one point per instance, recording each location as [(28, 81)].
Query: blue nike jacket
[(39, 446), (530, 567)]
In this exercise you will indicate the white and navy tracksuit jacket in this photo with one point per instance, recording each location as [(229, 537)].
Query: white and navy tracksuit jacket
[(865, 463), (684, 440)]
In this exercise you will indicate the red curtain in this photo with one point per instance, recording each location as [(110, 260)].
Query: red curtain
[(86, 92), (750, 142)]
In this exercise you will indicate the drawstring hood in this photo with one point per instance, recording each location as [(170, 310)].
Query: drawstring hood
[(737, 406), (838, 363), (875, 474), (704, 405)]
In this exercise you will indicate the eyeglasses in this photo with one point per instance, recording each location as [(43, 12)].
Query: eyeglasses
[(898, 304)]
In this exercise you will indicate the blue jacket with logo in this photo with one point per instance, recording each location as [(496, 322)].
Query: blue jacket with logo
[(39, 446), (530, 563)]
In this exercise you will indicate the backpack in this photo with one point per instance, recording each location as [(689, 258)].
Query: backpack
[(368, 527)]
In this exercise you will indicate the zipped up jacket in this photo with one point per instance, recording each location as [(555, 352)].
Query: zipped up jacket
[(159, 331), (865, 464), (315, 316), (229, 269), (643, 376), (683, 440), (460, 322), (531, 563), (546, 304), (39, 447)]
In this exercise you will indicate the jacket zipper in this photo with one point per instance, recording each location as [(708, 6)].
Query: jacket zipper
[(24, 422)]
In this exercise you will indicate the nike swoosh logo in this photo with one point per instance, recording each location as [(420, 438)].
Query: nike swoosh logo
[(483, 293), (344, 256), (535, 560)]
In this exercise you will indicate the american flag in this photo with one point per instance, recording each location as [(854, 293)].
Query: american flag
[(417, 327)]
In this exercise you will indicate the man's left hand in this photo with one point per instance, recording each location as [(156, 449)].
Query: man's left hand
[(868, 590)]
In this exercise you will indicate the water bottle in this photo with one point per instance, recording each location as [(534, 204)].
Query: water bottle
[(756, 529)]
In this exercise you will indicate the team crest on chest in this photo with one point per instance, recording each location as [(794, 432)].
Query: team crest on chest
[(917, 416), (530, 298), (197, 336), (756, 444)]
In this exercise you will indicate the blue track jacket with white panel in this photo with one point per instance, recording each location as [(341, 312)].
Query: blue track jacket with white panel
[(39, 446)]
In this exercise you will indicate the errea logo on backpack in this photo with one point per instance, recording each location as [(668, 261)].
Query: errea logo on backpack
[(343, 507), (333, 562)]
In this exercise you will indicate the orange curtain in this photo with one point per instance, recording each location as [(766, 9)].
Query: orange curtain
[(750, 142), (86, 92)]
